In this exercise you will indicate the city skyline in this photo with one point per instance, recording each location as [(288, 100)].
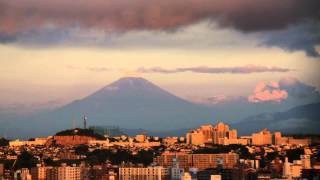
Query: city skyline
[(208, 152)]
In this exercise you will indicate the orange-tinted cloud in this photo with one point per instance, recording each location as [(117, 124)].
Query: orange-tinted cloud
[(268, 92), (98, 69)]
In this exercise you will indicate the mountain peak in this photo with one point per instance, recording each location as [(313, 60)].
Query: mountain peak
[(130, 80), (130, 87), (129, 83)]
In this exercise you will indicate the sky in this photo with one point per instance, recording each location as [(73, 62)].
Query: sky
[(52, 53)]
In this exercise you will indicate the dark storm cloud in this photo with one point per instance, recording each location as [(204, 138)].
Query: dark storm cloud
[(216, 70), (299, 89), (245, 15), (4, 38), (18, 17), (303, 36)]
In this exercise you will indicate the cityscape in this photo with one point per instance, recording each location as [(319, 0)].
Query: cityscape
[(160, 90), (208, 152)]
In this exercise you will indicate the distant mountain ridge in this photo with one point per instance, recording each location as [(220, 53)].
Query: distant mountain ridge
[(174, 132), (301, 119), (297, 93)]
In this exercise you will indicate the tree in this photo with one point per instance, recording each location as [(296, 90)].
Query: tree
[(26, 160), (144, 157), (294, 154), (272, 155), (81, 149), (49, 162), (4, 142)]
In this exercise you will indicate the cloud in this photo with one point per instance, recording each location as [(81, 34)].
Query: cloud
[(245, 15), (72, 67), (55, 21), (298, 89), (191, 37), (21, 108), (304, 36), (265, 92), (219, 99), (92, 69), (98, 69), (215, 70), (288, 88)]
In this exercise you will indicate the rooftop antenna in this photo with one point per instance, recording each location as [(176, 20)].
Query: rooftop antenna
[(5, 133), (85, 122)]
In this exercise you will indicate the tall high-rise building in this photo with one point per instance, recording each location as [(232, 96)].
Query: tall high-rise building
[(1, 169), (294, 170), (65, 172), (277, 138), (280, 140), (232, 134), (286, 168), (215, 177), (220, 131), (306, 163), (262, 138), (175, 171), (212, 134), (186, 176), (40, 172), (25, 174)]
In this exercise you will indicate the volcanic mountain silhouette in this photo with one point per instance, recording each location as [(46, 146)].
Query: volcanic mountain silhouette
[(129, 102)]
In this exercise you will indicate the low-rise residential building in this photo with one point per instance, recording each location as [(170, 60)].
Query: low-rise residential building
[(143, 173), (200, 161)]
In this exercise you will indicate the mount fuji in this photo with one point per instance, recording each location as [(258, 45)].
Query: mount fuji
[(129, 102)]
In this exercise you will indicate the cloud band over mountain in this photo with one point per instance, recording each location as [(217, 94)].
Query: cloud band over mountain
[(216, 70), (268, 92), (285, 88), (18, 17)]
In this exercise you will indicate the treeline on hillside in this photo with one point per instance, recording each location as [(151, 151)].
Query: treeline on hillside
[(80, 132)]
